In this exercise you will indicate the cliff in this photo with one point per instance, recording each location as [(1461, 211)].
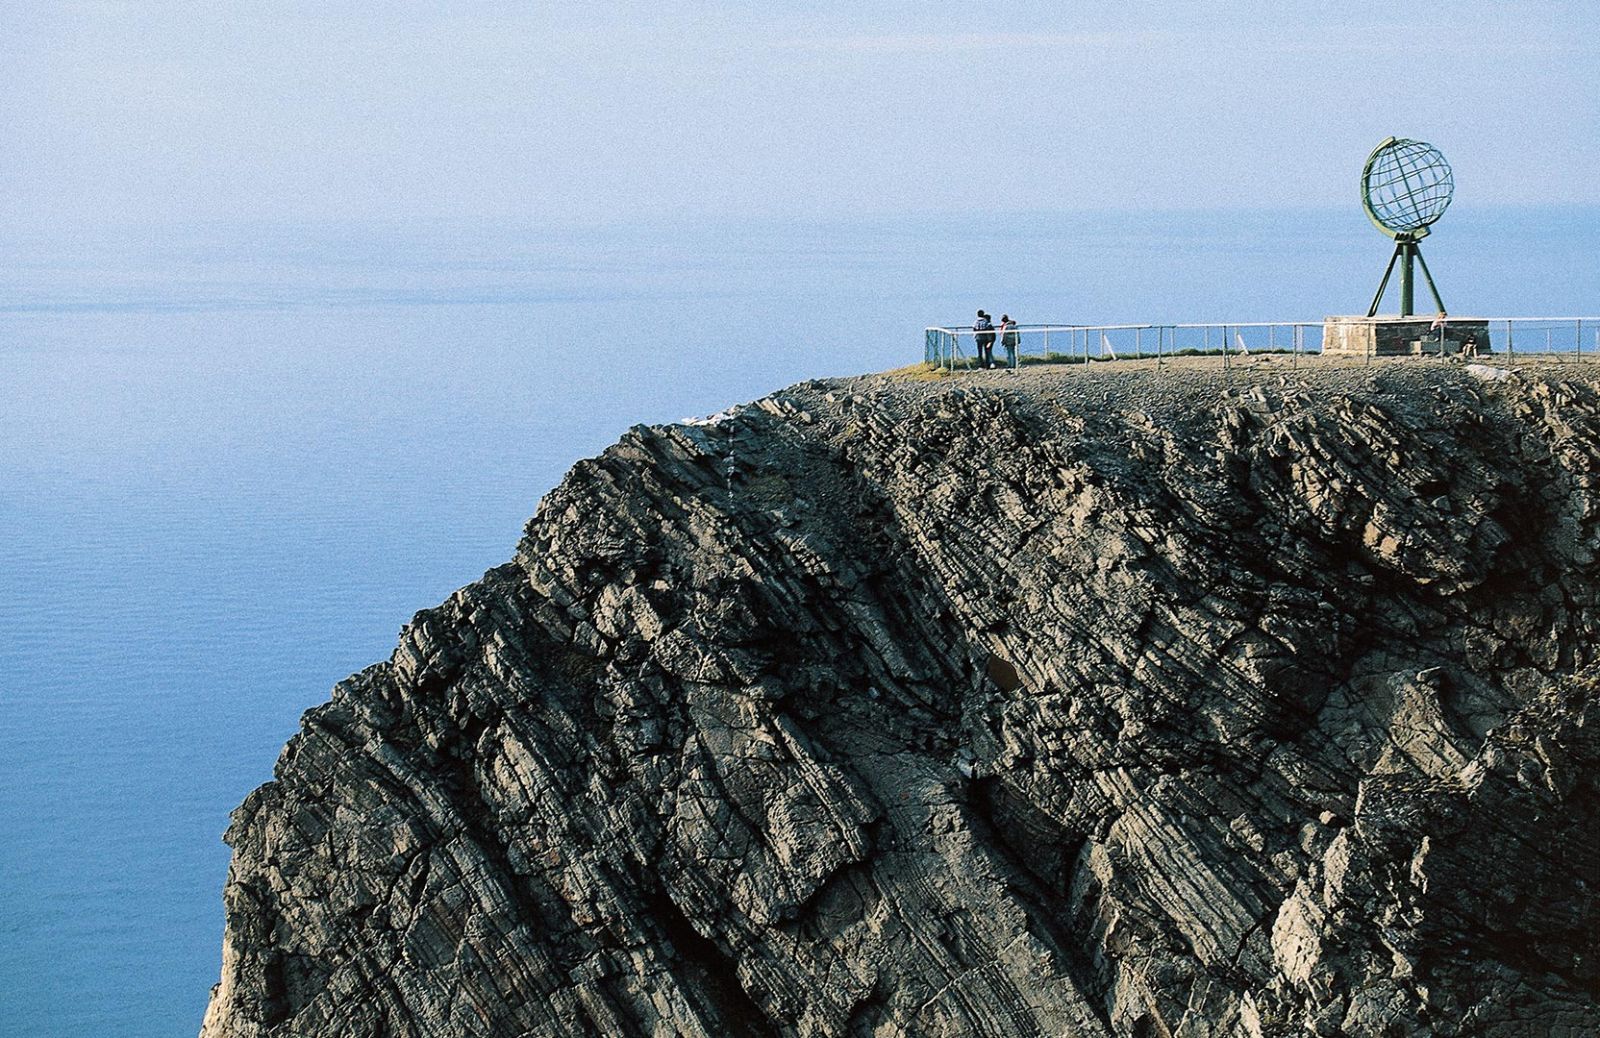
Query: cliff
[(1105, 702)]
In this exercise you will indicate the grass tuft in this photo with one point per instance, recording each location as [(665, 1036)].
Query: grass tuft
[(923, 372)]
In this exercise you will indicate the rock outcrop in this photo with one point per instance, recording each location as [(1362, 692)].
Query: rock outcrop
[(1075, 702)]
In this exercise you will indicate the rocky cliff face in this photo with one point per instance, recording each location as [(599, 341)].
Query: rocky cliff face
[(1075, 703)]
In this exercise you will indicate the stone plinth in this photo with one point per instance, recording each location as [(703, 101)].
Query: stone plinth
[(1394, 336)]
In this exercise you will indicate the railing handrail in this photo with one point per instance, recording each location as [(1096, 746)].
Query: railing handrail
[(1449, 319), (943, 343), (1522, 320), (968, 330)]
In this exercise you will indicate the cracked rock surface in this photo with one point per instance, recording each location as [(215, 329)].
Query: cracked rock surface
[(1095, 703)]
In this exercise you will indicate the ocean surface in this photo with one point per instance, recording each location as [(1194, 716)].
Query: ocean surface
[(234, 460)]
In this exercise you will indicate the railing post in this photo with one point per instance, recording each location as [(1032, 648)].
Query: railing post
[(1511, 346)]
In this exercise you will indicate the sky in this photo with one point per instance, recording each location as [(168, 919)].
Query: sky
[(166, 111)]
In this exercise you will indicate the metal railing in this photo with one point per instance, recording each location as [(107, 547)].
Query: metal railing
[(952, 348), (1545, 338), (1525, 338)]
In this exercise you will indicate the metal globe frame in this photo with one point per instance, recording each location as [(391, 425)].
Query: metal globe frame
[(1415, 187)]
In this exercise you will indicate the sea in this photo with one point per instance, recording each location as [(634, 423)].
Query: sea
[(236, 457)]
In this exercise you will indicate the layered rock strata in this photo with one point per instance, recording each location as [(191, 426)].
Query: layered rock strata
[(1111, 702)]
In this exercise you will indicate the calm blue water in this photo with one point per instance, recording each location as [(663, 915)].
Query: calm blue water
[(234, 460)]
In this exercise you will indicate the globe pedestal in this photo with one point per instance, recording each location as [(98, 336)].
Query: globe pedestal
[(1392, 336)]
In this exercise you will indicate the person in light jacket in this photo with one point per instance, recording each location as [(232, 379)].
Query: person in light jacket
[(1010, 339)]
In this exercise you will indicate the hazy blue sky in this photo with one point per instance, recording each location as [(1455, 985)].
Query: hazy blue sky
[(171, 111)]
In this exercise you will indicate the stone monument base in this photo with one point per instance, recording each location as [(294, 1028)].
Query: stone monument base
[(1393, 336)]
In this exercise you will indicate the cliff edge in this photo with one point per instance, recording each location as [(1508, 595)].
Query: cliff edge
[(1070, 702)]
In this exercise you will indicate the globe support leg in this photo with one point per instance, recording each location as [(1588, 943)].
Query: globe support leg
[(1383, 285), (1432, 288), (1407, 279)]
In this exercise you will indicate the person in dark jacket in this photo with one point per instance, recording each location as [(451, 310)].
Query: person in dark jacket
[(984, 339)]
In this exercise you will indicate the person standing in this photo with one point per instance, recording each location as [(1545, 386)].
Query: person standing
[(984, 339), (1010, 339)]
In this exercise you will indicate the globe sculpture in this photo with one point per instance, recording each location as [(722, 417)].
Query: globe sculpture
[(1406, 185)]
